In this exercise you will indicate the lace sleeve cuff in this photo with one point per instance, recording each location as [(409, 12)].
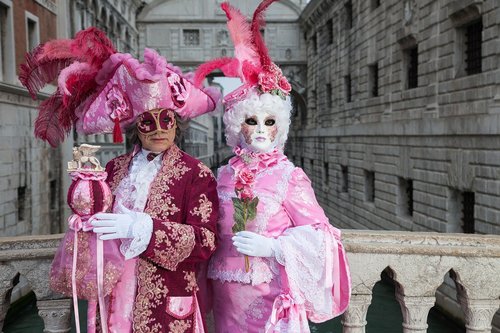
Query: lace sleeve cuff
[(141, 235)]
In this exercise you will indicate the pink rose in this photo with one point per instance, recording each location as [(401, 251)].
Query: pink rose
[(267, 82), (246, 194), (245, 177), (284, 85)]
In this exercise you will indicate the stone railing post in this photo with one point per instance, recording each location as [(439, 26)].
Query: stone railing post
[(55, 314), (354, 319), (478, 313), (415, 310)]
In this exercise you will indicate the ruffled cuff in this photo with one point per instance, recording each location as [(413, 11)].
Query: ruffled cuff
[(140, 235)]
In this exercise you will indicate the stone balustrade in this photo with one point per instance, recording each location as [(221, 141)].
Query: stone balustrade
[(418, 263)]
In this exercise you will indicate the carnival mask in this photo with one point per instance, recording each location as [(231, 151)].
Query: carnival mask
[(157, 129), (259, 132), (160, 120)]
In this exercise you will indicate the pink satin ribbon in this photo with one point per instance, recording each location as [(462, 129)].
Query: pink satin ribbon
[(76, 224), (283, 307), (333, 273)]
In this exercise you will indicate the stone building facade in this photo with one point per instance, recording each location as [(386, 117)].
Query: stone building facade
[(189, 32), (402, 129), (33, 181), (29, 172)]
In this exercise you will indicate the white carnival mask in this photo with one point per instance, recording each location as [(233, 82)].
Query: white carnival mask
[(259, 132)]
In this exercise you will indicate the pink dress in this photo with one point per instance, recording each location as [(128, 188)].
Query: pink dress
[(308, 279)]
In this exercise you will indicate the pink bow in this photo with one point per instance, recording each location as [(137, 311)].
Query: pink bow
[(284, 308), (77, 223)]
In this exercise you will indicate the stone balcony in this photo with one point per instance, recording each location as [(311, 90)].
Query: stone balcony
[(417, 262)]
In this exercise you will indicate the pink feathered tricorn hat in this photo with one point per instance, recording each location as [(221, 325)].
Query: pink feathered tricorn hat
[(102, 91), (251, 62)]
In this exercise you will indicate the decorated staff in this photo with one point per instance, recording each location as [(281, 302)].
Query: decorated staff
[(297, 269)]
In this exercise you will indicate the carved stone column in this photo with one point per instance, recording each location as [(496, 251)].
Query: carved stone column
[(479, 314), (415, 310), (354, 319), (55, 314)]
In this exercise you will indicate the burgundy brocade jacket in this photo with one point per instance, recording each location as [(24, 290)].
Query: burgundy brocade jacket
[(183, 204)]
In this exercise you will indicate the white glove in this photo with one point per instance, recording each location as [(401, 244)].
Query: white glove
[(254, 245), (114, 226)]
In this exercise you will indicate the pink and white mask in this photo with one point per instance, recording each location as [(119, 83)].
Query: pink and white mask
[(259, 132)]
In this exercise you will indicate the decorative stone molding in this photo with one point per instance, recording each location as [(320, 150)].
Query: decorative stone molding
[(478, 313), (464, 11), (55, 315)]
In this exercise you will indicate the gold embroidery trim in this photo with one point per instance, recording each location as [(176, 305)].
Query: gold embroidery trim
[(205, 171), (204, 209), (160, 201), (151, 290), (190, 278), (208, 239), (173, 244), (179, 326)]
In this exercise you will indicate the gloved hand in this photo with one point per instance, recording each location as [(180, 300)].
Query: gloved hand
[(254, 245), (114, 226)]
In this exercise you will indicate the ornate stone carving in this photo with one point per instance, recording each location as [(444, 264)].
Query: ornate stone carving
[(56, 315), (478, 313), (354, 319), (415, 310)]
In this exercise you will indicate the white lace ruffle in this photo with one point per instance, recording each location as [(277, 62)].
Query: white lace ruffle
[(260, 272), (302, 253), (132, 193)]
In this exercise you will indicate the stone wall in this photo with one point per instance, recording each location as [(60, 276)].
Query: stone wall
[(30, 172), (434, 147)]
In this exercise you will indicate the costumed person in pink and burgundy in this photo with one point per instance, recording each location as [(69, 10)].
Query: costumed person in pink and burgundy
[(279, 262), (165, 204)]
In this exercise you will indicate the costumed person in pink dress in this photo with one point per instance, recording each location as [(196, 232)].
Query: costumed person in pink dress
[(165, 202), (279, 262)]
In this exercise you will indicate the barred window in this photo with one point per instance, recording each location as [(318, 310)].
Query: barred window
[(412, 67), (348, 14), (473, 44), (328, 96), (375, 4), (373, 79), (468, 203), (329, 31), (369, 186), (348, 88), (191, 37), (345, 178), (405, 197)]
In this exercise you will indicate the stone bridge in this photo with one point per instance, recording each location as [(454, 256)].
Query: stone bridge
[(417, 262)]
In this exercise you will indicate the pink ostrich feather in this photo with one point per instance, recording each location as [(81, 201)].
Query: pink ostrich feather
[(44, 63), (204, 69), (257, 23), (241, 34)]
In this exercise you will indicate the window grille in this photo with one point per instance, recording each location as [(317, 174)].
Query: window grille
[(373, 80), (326, 173), (369, 186), (345, 178), (21, 203), (409, 197), (329, 31), (191, 37), (473, 43), (328, 94), (348, 88), (468, 202), (348, 14), (412, 55)]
